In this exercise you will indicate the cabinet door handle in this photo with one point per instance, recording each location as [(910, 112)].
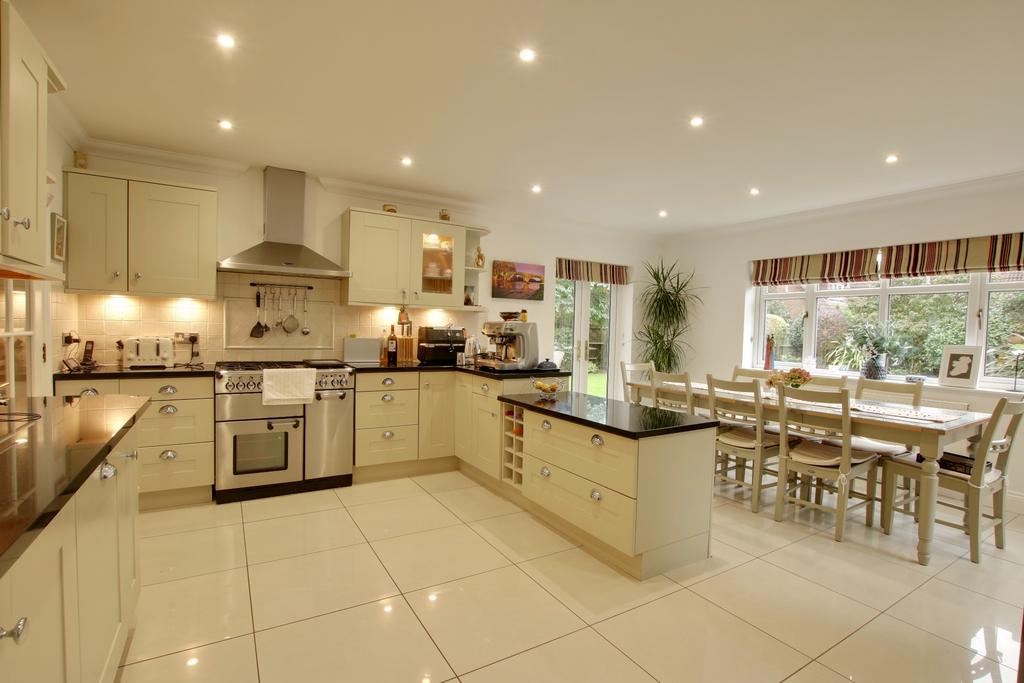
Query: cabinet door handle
[(388, 434), (545, 425), (17, 632), (169, 455), (387, 381), (545, 472), (387, 398), (596, 496), (107, 471), (168, 389), (25, 222), (138, 276), (117, 274), (168, 410), (89, 391), (134, 455), (485, 387), (597, 440)]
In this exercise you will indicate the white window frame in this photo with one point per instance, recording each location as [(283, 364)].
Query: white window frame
[(977, 288)]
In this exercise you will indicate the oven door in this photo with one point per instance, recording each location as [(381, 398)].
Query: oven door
[(259, 452)]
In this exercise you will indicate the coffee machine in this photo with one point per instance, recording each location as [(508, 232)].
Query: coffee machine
[(515, 345)]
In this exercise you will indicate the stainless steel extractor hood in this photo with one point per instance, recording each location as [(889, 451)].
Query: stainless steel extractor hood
[(282, 252)]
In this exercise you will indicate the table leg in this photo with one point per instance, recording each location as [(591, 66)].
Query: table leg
[(929, 494)]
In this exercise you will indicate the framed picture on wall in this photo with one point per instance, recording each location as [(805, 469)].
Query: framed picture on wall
[(961, 366), (513, 280), (58, 236)]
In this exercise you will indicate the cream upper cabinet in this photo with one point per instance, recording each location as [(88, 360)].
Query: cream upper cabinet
[(97, 214), (437, 414), (25, 233), (378, 256), (438, 263), (172, 240), (463, 412)]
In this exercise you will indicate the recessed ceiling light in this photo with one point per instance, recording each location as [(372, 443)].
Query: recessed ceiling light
[(754, 192), (406, 161), (697, 121), (224, 40), (225, 124), (536, 189), (527, 55), (891, 159), (663, 213)]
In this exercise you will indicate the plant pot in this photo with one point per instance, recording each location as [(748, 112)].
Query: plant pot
[(874, 367)]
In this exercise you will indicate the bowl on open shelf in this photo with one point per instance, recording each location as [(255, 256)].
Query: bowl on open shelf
[(509, 315), (547, 387)]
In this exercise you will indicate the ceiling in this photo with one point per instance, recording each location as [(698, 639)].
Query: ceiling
[(802, 99)]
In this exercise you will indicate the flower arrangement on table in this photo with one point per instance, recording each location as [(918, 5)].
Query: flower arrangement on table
[(794, 379)]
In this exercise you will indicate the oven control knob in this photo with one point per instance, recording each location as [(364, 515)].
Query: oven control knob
[(250, 385), (230, 386), (259, 385)]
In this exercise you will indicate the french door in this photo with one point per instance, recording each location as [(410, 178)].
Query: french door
[(584, 319)]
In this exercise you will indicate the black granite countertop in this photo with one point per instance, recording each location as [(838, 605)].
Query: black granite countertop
[(119, 372), (618, 417), (482, 372), (37, 478)]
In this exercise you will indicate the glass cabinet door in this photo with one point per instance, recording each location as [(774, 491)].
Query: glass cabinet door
[(439, 255)]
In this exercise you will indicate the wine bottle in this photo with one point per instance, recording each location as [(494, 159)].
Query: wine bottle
[(392, 348)]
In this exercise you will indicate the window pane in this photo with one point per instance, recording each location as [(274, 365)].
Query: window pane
[(1005, 332), (925, 324), (784, 318), (836, 315), (931, 280), (565, 317), (1015, 276), (784, 289)]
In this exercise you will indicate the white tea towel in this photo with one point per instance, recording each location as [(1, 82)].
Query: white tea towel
[(287, 386)]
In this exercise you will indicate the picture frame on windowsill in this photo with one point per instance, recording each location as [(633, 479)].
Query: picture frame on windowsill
[(961, 366)]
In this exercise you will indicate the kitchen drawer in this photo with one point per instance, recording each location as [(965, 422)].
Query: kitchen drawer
[(387, 381), (189, 421), (377, 446), (165, 388), (521, 385), (386, 408), (485, 386), (75, 387), (602, 458), (599, 511), (162, 468)]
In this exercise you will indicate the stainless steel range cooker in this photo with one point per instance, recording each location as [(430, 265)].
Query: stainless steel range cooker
[(269, 450)]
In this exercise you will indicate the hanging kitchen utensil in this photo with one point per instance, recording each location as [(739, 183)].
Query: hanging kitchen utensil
[(291, 323), (266, 310), (280, 313), (257, 330), (305, 314)]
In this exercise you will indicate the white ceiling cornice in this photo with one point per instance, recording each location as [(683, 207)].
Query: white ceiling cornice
[(121, 151), (382, 193)]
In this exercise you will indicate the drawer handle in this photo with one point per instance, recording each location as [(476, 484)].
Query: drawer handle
[(387, 398), (485, 387), (545, 471), (596, 496), (107, 471), (387, 381), (169, 455), (168, 410), (17, 632), (545, 425), (597, 440), (89, 391), (388, 434), (168, 389)]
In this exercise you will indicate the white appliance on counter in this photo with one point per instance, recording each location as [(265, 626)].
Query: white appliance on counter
[(148, 352)]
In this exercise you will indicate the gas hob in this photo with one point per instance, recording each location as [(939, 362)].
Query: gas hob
[(246, 377)]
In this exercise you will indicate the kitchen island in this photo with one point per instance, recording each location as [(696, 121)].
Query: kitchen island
[(632, 483)]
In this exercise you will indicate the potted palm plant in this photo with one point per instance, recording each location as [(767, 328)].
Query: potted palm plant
[(665, 301), (870, 346)]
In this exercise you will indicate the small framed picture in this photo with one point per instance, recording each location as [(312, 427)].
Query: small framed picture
[(961, 366), (58, 236)]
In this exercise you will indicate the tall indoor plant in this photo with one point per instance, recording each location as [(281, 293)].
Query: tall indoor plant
[(666, 301)]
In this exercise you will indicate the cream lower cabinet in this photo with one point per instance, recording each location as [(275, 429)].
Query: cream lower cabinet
[(437, 414), (479, 445), (387, 418), (462, 409)]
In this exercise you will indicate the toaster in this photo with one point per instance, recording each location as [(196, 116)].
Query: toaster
[(148, 352)]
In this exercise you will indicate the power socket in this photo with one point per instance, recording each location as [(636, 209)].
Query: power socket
[(186, 337), (67, 339)]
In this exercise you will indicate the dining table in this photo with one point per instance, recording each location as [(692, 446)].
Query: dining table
[(928, 430)]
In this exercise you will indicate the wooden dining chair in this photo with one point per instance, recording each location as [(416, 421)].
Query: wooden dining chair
[(634, 373), (982, 471), (672, 391), (740, 373), (839, 465), (889, 392), (823, 382), (742, 435)]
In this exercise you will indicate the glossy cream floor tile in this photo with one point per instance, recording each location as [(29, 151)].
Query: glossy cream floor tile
[(472, 504), (521, 537), (816, 673), (444, 481), (849, 569), (592, 589), (228, 661), (1016, 523), (381, 642), (296, 504), (190, 518), (1014, 550), (801, 614), (683, 637), (280, 537), (888, 649), (989, 627), (426, 558), (296, 588), (723, 557), (994, 577), (187, 613), (177, 556), (901, 546), (378, 491), (480, 619), (403, 516), (580, 656), (752, 533)]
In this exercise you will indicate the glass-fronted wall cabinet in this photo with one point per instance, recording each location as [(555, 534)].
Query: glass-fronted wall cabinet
[(439, 255)]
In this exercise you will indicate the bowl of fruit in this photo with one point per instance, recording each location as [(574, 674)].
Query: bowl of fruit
[(547, 388)]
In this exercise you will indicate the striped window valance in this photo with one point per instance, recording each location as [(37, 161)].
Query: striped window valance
[(858, 265), (996, 253), (591, 271)]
